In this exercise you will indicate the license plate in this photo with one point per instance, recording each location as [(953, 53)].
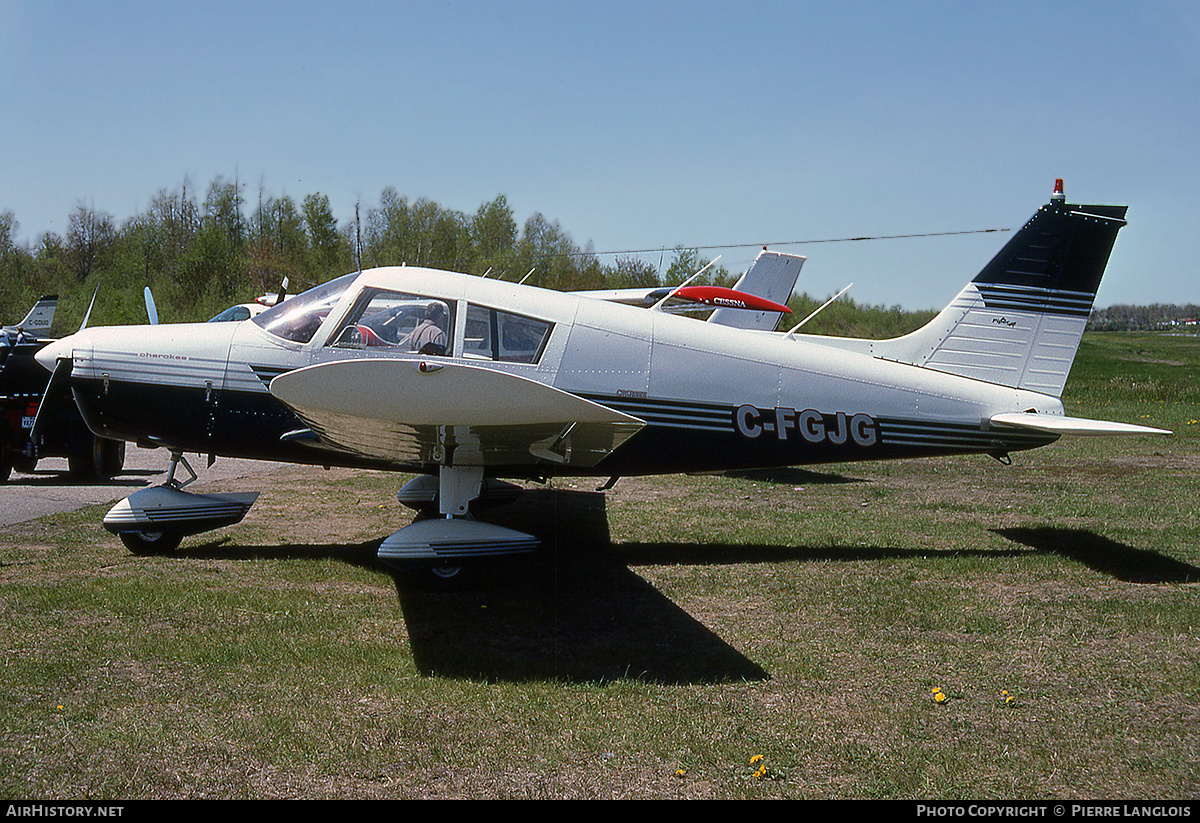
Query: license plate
[(27, 422)]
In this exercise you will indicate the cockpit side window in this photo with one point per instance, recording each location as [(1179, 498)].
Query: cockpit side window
[(499, 335), (397, 321), (233, 313), (298, 318)]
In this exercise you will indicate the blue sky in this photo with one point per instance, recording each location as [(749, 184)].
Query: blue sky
[(636, 125)]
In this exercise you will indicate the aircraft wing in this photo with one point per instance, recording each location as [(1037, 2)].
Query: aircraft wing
[(643, 298), (430, 411), (1055, 424), (771, 277)]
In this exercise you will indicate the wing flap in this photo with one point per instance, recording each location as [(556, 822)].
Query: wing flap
[(411, 411)]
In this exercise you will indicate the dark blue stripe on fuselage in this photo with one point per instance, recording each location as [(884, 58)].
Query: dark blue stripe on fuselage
[(683, 436), (247, 425), (679, 436)]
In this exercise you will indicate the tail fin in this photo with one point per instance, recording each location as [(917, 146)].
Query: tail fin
[(37, 323), (772, 275), (1019, 322)]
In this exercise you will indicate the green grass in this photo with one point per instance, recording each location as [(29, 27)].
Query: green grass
[(1142, 377), (680, 627)]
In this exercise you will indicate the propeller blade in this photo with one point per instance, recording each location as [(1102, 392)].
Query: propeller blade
[(62, 372), (88, 314), (151, 309)]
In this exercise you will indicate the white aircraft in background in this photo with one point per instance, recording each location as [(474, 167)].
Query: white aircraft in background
[(35, 326), (466, 380)]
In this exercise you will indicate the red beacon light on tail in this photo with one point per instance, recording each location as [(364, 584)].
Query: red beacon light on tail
[(1059, 195)]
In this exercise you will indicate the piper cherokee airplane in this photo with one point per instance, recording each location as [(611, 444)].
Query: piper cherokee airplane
[(467, 380)]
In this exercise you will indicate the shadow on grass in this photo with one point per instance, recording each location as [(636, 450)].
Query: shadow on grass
[(579, 621), (691, 554), (791, 476), (362, 555), (1103, 555), (576, 610), (572, 611)]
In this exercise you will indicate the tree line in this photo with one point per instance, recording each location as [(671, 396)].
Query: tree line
[(202, 251), (1155, 317)]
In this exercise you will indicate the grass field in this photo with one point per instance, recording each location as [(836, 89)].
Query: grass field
[(945, 628)]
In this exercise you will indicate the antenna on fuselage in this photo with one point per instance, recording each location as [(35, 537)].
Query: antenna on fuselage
[(671, 293), (526, 277), (792, 330)]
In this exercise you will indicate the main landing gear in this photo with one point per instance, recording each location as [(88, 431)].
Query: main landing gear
[(451, 536)]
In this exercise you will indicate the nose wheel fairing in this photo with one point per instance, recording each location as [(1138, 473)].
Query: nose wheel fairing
[(167, 509)]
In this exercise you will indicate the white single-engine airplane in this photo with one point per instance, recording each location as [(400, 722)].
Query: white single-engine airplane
[(466, 380), (35, 326)]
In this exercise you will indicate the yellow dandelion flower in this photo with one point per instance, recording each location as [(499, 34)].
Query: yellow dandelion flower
[(939, 697), (756, 759)]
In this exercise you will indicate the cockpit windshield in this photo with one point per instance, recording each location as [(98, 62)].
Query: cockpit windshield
[(298, 318)]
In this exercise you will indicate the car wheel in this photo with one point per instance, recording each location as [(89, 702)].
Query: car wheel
[(112, 457), (85, 457)]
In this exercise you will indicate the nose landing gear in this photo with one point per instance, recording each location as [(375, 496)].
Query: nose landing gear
[(155, 520)]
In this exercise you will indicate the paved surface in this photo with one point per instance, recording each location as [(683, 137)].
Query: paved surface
[(50, 489)]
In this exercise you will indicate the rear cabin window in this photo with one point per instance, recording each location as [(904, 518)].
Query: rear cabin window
[(497, 335)]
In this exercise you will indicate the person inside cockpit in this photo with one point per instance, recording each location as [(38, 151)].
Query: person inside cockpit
[(430, 336)]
